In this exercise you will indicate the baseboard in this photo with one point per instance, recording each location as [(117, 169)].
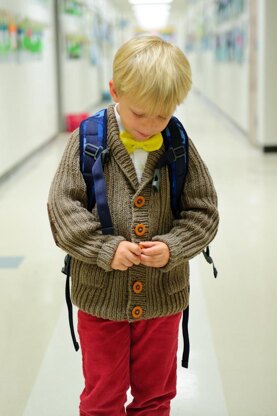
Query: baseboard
[(270, 149)]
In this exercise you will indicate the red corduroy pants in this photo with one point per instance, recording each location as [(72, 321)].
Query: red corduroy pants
[(119, 354)]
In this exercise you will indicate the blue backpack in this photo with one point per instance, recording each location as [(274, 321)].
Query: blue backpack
[(94, 153)]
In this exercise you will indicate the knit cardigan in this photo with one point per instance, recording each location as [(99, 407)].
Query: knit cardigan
[(97, 288)]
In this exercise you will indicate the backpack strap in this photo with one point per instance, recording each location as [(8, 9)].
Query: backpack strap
[(185, 331), (66, 271), (176, 158), (206, 254), (92, 142), (93, 155)]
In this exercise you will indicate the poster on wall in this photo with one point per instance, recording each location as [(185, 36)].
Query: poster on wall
[(220, 27), (74, 7), (75, 46), (21, 39), (228, 9), (43, 2), (101, 37), (95, 39), (231, 37), (200, 28), (230, 45)]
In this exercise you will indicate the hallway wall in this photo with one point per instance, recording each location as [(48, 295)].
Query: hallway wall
[(219, 73), (36, 96), (84, 77), (267, 56), (221, 46), (28, 94)]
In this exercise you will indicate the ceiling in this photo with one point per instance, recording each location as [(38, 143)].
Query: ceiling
[(124, 6)]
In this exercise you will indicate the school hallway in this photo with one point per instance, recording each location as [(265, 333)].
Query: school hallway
[(55, 65), (232, 369)]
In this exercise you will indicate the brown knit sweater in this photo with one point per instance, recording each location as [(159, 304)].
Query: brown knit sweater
[(96, 287)]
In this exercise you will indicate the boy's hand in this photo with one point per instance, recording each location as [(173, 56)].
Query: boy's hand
[(126, 255), (154, 253)]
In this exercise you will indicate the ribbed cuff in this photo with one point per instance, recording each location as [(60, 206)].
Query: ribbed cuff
[(107, 252)]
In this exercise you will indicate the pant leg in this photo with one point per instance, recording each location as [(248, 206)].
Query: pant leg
[(153, 365), (105, 349)]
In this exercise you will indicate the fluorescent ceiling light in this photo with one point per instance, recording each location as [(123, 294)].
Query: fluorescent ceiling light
[(150, 16), (138, 2)]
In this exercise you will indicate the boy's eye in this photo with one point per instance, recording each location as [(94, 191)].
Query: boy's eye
[(138, 115)]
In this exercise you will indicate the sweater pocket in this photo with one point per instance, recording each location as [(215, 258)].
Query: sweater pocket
[(88, 274), (178, 279)]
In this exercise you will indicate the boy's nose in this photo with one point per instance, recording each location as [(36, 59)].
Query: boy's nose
[(149, 127)]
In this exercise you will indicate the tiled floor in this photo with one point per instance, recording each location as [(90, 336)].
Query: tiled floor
[(233, 363)]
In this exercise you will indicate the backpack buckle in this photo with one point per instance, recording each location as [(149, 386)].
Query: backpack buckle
[(177, 152), (92, 150), (105, 156), (66, 267)]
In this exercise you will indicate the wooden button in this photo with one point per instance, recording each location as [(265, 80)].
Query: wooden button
[(139, 201), (137, 312), (140, 230), (137, 287)]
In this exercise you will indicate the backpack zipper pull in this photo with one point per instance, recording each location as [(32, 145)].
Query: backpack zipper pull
[(156, 180)]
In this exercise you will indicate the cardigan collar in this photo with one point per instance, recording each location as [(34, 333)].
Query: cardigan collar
[(123, 159)]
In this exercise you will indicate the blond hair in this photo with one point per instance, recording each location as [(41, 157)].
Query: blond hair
[(152, 71)]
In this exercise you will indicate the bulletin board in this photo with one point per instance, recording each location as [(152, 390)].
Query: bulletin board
[(220, 27), (21, 38), (232, 31)]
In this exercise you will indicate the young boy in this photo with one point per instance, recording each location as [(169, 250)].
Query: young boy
[(131, 287)]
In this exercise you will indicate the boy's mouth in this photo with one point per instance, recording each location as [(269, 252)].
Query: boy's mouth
[(143, 136)]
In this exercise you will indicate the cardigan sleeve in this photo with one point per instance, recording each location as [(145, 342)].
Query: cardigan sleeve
[(198, 222), (76, 230)]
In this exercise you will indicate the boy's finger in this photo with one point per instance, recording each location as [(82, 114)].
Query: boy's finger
[(149, 261), (146, 260), (127, 263), (152, 251), (136, 261), (135, 248), (147, 244), (133, 258)]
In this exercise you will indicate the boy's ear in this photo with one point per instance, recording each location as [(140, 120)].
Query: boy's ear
[(113, 91)]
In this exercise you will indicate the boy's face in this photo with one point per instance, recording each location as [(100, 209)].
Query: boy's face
[(139, 124)]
